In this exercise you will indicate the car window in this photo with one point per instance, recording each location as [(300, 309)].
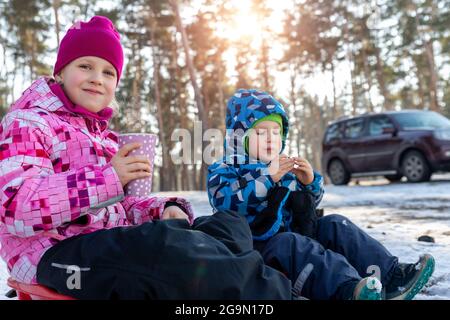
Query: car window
[(376, 125), (354, 128), (333, 133), (422, 120)]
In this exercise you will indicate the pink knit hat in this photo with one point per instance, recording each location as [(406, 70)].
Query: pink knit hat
[(98, 38)]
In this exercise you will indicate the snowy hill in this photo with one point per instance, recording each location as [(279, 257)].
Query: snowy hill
[(395, 214)]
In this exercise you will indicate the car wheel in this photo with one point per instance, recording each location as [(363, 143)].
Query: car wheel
[(394, 177), (415, 167), (338, 174)]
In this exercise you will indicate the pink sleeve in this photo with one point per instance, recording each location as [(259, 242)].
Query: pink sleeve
[(35, 198), (143, 209)]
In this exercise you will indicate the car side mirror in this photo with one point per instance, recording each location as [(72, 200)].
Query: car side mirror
[(390, 130)]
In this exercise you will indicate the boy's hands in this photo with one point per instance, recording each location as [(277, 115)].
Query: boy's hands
[(173, 212), (130, 168), (303, 170), (279, 167), (297, 165)]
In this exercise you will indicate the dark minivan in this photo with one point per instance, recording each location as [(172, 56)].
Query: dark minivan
[(394, 144)]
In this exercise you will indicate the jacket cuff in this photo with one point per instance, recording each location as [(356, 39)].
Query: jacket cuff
[(174, 204), (316, 186), (181, 203)]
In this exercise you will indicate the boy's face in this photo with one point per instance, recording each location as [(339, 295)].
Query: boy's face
[(89, 82), (265, 141)]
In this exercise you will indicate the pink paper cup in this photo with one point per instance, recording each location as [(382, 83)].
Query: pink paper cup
[(140, 187)]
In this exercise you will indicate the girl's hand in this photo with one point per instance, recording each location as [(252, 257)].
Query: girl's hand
[(303, 171), (173, 212), (279, 167), (130, 168)]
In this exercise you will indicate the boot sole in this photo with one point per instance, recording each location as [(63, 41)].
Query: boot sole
[(420, 283)]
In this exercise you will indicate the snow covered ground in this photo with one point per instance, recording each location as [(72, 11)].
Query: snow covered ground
[(396, 214)]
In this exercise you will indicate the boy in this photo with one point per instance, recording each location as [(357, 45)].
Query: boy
[(325, 258)]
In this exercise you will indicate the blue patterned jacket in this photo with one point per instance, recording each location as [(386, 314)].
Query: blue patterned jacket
[(238, 183)]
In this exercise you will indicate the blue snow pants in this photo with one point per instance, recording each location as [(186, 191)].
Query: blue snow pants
[(330, 265)]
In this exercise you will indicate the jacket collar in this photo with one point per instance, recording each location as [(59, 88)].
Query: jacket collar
[(40, 94)]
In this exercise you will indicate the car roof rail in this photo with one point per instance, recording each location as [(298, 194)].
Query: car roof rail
[(343, 117)]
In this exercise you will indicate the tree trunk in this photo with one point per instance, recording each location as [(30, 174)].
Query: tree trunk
[(434, 103), (349, 39), (353, 82), (171, 170), (429, 53), (333, 80), (293, 119), (420, 86), (189, 63), (55, 5), (192, 75), (186, 176), (86, 9), (368, 78), (161, 127), (265, 65), (31, 51), (221, 96), (196, 176), (387, 104), (14, 73), (316, 141)]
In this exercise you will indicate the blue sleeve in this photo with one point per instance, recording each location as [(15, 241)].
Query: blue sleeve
[(228, 191), (316, 187)]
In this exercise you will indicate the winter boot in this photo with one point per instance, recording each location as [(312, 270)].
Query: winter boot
[(369, 288), (409, 278)]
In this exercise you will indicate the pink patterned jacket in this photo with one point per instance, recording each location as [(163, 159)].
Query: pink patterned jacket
[(56, 180)]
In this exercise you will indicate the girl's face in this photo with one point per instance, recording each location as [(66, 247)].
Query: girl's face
[(264, 141), (89, 82)]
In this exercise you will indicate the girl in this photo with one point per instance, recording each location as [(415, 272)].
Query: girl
[(63, 206)]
